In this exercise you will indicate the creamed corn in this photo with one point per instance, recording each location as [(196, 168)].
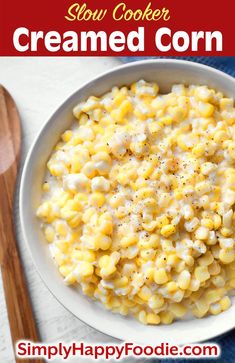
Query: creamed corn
[(138, 201)]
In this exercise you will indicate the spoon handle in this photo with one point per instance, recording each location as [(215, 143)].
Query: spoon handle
[(20, 314)]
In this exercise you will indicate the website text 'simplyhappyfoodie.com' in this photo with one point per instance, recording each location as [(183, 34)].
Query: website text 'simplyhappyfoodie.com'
[(66, 351)]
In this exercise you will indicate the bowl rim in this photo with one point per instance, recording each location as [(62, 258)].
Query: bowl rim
[(23, 190)]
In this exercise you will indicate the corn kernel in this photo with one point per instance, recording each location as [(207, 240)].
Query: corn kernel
[(97, 199), (232, 283), (226, 256), (156, 302), (67, 135), (225, 303), (179, 310), (166, 317), (226, 232), (205, 109), (102, 241), (46, 187), (208, 223), (206, 259), (198, 150), (168, 230), (142, 316), (217, 221), (184, 279), (49, 234), (129, 241), (172, 286), (153, 319), (65, 270), (201, 233), (220, 136), (202, 305), (172, 260), (75, 221), (201, 273), (215, 309), (145, 293), (212, 296), (61, 229), (160, 276), (226, 103)]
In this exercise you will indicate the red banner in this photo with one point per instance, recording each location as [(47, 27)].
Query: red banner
[(129, 27)]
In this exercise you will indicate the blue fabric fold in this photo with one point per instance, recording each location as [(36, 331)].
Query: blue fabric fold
[(227, 341)]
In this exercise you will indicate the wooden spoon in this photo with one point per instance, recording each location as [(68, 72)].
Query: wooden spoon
[(19, 309)]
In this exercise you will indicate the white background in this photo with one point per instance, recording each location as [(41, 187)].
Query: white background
[(39, 86)]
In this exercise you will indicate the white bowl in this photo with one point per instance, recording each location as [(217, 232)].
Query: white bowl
[(165, 73)]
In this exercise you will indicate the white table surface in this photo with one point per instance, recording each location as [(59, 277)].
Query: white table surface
[(39, 85)]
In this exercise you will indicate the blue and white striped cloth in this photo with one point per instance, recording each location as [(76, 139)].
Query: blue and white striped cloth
[(226, 342)]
